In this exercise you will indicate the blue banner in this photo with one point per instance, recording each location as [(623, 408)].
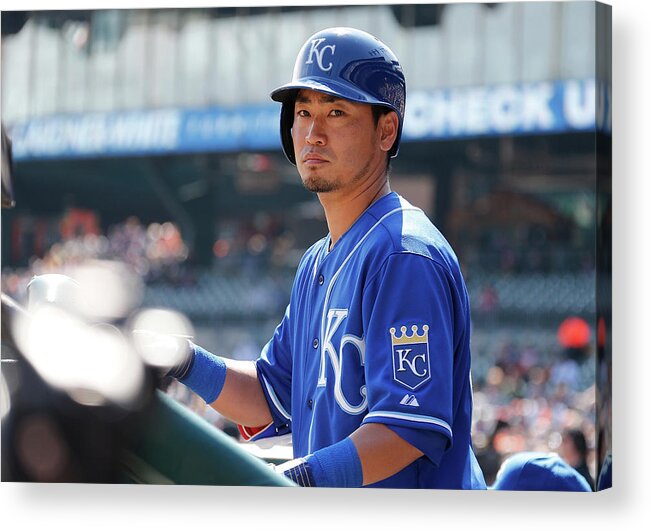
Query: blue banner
[(545, 107)]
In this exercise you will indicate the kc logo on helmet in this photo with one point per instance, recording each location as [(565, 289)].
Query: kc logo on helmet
[(410, 357), (317, 53)]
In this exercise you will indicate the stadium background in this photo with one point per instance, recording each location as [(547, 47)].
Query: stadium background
[(147, 136)]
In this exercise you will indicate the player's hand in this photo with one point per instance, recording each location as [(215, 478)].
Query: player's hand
[(297, 470), (169, 354)]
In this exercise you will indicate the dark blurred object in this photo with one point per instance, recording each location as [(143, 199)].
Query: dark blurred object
[(11, 310), (414, 15), (574, 449), (48, 434), (13, 21), (605, 479), (489, 461), (418, 15), (8, 200), (49, 437)]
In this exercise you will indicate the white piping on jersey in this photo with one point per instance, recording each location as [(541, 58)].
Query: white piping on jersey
[(274, 399), (412, 418), (318, 258), (329, 291)]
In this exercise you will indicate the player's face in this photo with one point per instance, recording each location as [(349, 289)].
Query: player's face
[(337, 143)]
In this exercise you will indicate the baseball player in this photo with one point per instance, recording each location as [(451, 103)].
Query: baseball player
[(369, 368)]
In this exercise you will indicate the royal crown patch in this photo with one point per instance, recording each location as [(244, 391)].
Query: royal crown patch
[(411, 366)]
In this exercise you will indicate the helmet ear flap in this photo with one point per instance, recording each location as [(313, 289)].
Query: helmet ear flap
[(286, 124)]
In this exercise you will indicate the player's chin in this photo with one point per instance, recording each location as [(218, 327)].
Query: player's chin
[(318, 184), (319, 188)]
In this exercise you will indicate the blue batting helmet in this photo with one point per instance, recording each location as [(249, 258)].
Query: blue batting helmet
[(347, 63), (539, 471)]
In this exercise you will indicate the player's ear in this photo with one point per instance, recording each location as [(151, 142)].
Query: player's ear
[(388, 130)]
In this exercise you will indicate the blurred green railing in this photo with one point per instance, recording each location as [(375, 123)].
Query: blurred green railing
[(177, 447)]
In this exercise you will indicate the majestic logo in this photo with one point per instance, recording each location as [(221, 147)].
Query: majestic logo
[(410, 357), (316, 52), (410, 400)]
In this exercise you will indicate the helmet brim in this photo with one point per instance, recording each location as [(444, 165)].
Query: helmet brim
[(287, 93)]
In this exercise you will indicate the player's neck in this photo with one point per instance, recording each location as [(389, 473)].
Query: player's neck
[(342, 211)]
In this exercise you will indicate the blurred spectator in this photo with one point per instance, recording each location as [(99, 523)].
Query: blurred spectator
[(488, 300), (79, 222), (574, 449), (574, 337), (566, 373)]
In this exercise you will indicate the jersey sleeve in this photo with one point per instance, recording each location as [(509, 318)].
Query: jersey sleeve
[(409, 313), (274, 368)]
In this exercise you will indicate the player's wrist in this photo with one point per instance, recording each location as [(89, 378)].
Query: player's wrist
[(201, 371), (335, 466)]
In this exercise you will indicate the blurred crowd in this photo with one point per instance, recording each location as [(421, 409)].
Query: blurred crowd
[(156, 252), (262, 245), (528, 400), (521, 248)]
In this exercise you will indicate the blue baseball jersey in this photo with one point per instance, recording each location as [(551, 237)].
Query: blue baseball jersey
[(377, 330)]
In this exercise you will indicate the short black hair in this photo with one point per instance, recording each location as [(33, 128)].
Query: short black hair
[(378, 111)]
